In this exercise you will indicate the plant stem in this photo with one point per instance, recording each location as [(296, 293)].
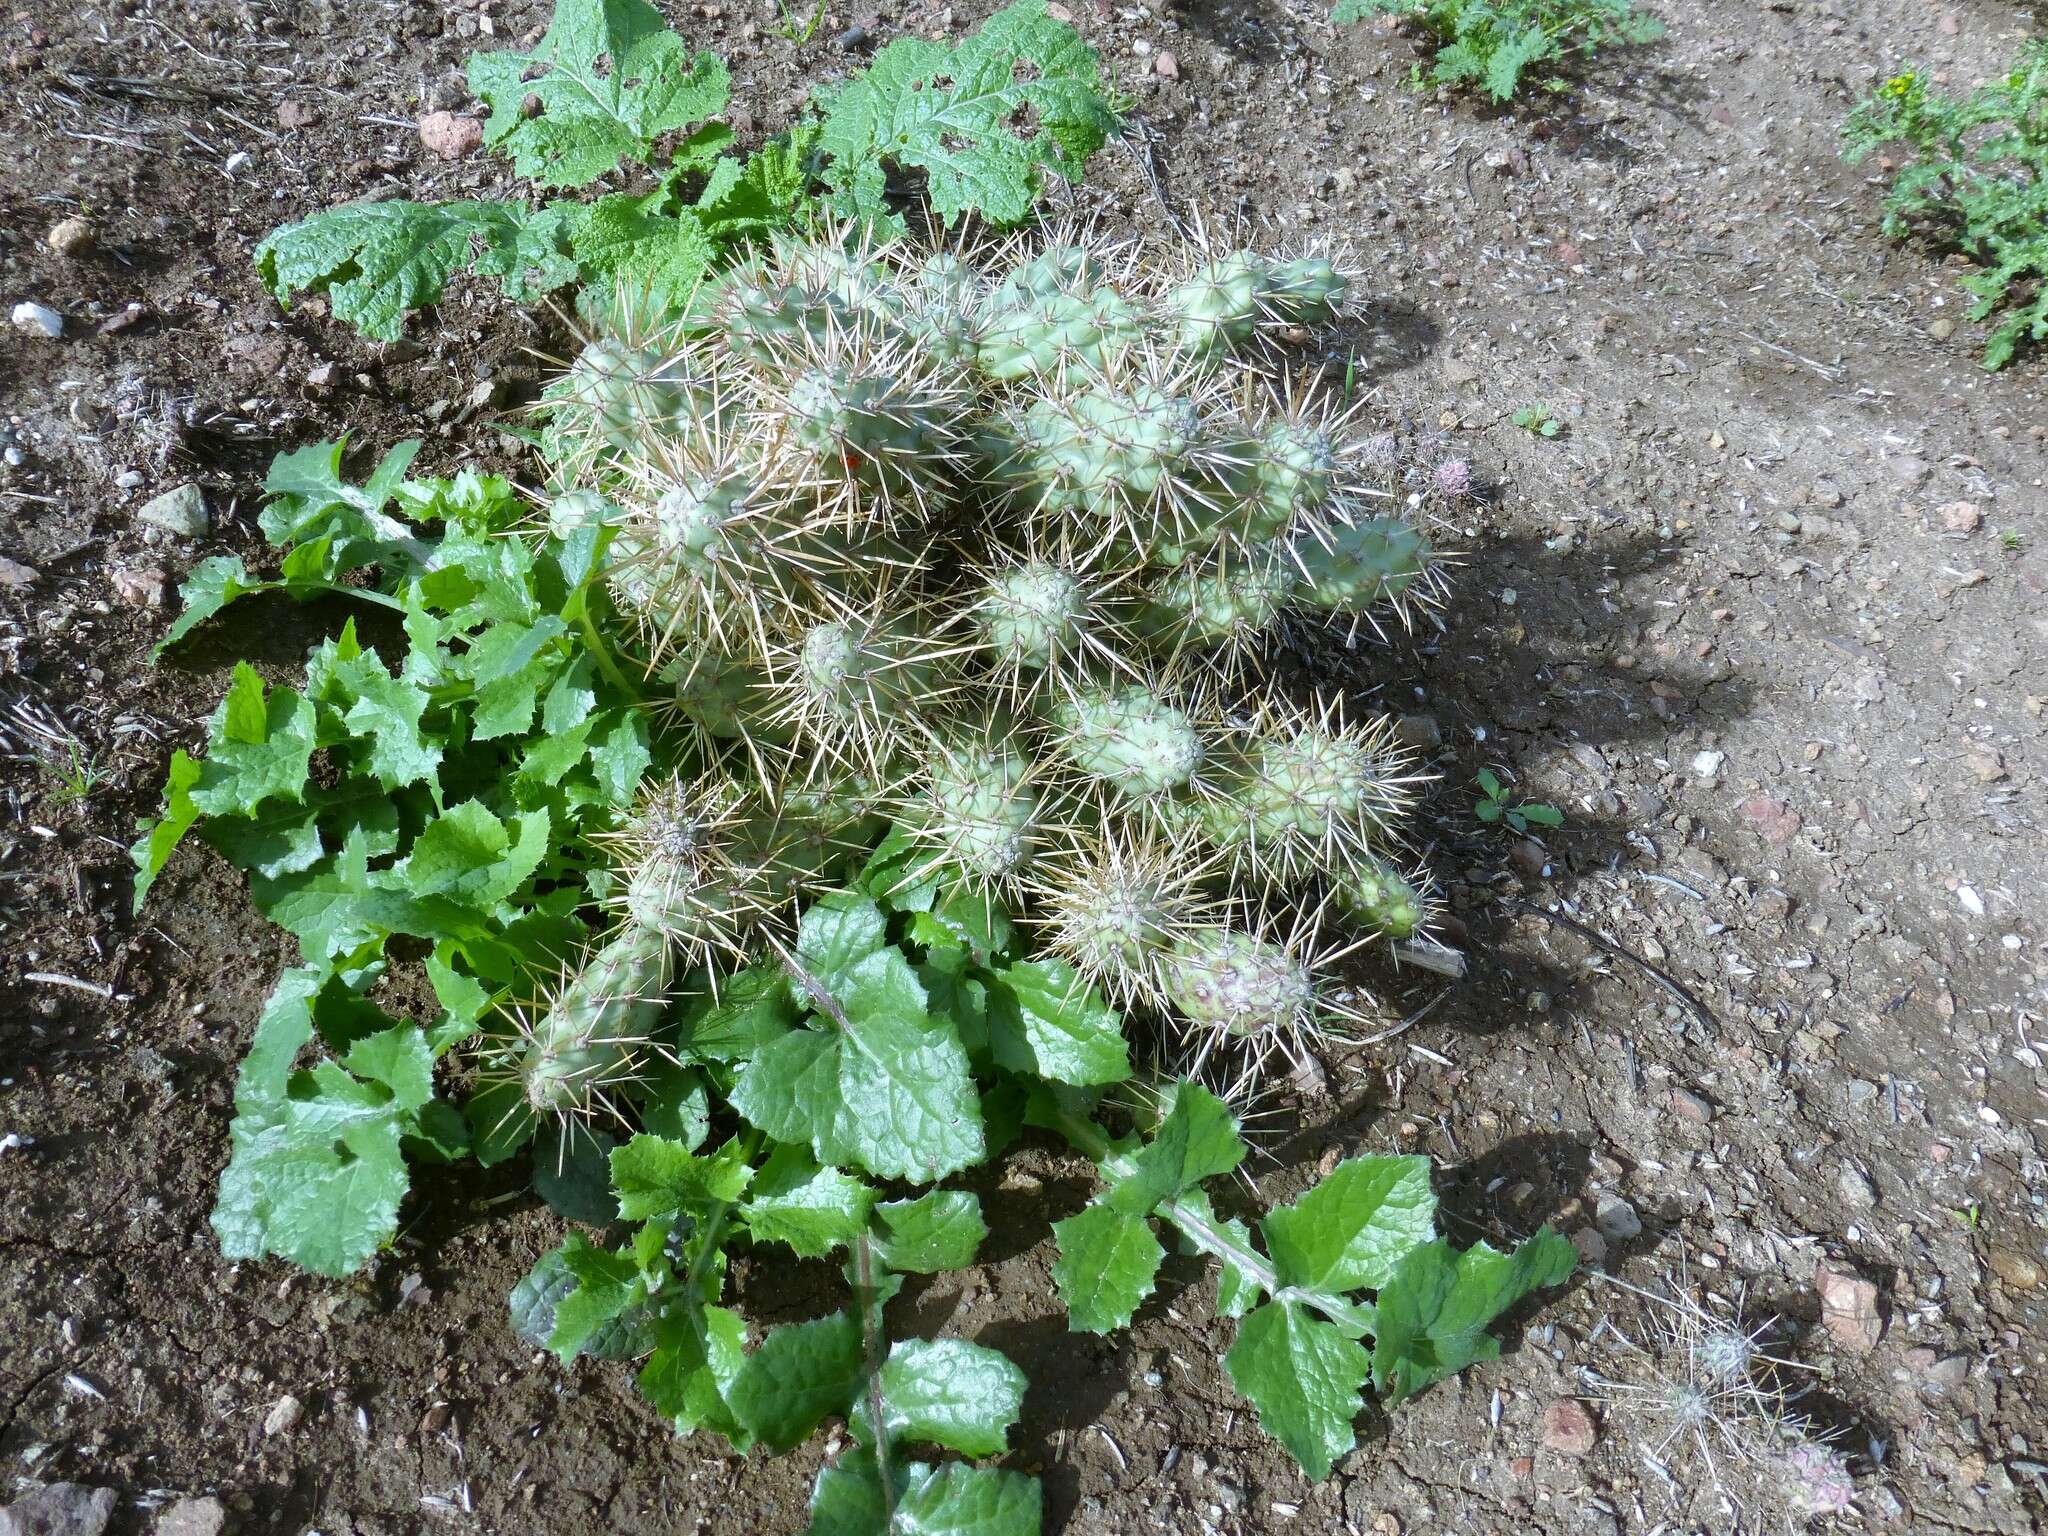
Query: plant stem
[(1209, 1236), (869, 1300)]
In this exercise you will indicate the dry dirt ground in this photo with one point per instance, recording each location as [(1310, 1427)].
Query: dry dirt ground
[(1765, 621)]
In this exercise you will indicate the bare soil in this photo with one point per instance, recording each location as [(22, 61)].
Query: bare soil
[(1765, 621)]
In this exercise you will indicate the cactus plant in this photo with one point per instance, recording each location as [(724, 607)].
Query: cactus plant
[(999, 536)]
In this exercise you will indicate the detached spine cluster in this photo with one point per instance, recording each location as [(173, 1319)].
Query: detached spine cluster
[(985, 547)]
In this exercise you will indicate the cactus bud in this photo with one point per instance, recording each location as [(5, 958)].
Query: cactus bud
[(1382, 900), (1351, 565), (977, 811)]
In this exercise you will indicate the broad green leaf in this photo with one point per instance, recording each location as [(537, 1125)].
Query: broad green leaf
[(799, 1377), (698, 1354), (813, 1209), (258, 747), (675, 1104), (1304, 1376), (1238, 1290), (946, 1392), (1108, 1261), (315, 1180), (1197, 1140), (1051, 1023), (313, 502), (282, 1030), (534, 1300), (572, 1171), (890, 1093), (1434, 1311), (1354, 1225), (468, 855), (377, 262), (386, 715), (937, 1231), (160, 838), (212, 584), (950, 1500), (608, 1286), (648, 249), (984, 120), (400, 1059), (656, 1178), (836, 932), (609, 77)]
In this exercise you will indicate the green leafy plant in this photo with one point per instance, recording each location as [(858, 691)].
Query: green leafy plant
[(1497, 804), (81, 774), (1539, 420), (796, 28), (1366, 1225), (1494, 43), (610, 87), (795, 797), (1976, 178)]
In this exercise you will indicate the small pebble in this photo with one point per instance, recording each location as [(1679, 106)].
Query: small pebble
[(284, 1415), (450, 136), (73, 237), (1617, 1219), (39, 318), (181, 512), (1567, 1428)]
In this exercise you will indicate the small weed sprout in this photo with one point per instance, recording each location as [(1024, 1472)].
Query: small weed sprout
[(1497, 806), (1539, 420)]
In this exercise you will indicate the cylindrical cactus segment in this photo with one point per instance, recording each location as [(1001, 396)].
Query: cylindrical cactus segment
[(722, 697), (1229, 599), (861, 422), (1308, 290), (1308, 796), (1057, 312), (942, 298), (1217, 307), (1237, 984), (1351, 564), (1379, 898), (978, 811), (616, 395), (1298, 463), (1223, 302), (595, 1032), (1128, 738), (857, 671), (1032, 614), (1113, 902)]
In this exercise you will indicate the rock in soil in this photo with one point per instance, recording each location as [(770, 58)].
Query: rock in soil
[(39, 318), (61, 1509), (181, 512), (1568, 1429), (192, 1517), (72, 237), (1848, 1310), (450, 136)]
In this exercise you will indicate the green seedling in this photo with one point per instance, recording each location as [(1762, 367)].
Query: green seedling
[(1537, 419), (1496, 804)]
